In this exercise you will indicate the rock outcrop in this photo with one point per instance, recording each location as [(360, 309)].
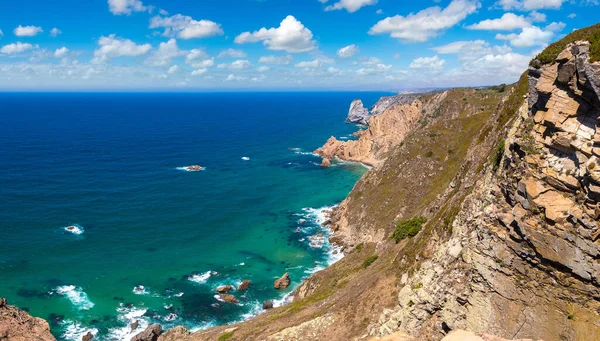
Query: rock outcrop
[(17, 325), (282, 282), (229, 298), (149, 334), (387, 102), (244, 285), (358, 113)]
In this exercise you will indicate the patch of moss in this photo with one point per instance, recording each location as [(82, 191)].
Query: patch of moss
[(498, 154), (226, 336), (359, 247), (370, 261), (408, 228), (428, 154), (591, 34)]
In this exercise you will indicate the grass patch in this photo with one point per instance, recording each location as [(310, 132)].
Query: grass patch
[(591, 34), (428, 154), (408, 228), (370, 261), (498, 154), (359, 247), (226, 336)]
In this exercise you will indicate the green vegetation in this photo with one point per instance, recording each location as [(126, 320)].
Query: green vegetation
[(408, 228), (591, 166), (591, 34), (418, 286), (499, 88), (514, 100), (411, 303), (498, 154), (571, 316), (370, 261), (428, 154), (359, 247), (226, 336)]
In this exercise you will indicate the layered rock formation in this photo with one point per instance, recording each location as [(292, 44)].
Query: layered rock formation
[(387, 102), (358, 113), (17, 325)]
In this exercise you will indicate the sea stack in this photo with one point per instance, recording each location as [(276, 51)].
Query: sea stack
[(358, 113)]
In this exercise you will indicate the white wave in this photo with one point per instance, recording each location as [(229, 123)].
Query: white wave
[(218, 298), (242, 264), (203, 326), (287, 298), (76, 295), (170, 317), (128, 315), (75, 331), (201, 278), (74, 229), (245, 158), (140, 290), (179, 294), (192, 168)]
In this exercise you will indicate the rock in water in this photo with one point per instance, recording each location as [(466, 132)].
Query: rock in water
[(358, 113), (150, 334), (326, 163), (267, 305), (244, 285), (283, 282), (17, 325), (135, 325), (87, 337), (229, 298), (223, 289)]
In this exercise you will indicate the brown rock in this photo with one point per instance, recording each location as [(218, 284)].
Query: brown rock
[(283, 282), (229, 298), (17, 325), (267, 305), (244, 285), (175, 334), (223, 289), (326, 163), (135, 325), (150, 334), (87, 337), (557, 206)]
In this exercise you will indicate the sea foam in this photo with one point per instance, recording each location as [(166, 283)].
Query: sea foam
[(201, 278), (76, 295), (75, 331), (74, 229)]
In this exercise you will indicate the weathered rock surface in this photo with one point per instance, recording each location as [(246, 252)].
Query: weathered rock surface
[(387, 102), (149, 334), (244, 285), (87, 337), (229, 298), (358, 113), (282, 282), (223, 289), (175, 334), (17, 325)]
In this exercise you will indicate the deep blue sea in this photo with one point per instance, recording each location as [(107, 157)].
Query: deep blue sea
[(156, 240)]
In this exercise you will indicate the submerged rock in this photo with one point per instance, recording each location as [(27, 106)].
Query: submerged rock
[(244, 285), (358, 113), (135, 325), (283, 282), (149, 334), (229, 298)]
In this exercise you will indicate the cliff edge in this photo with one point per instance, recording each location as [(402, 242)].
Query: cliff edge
[(17, 325)]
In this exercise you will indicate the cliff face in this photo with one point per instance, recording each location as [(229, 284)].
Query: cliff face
[(17, 325)]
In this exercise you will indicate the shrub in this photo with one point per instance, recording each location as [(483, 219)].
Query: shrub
[(408, 228), (359, 247), (370, 261), (591, 34), (428, 154), (498, 154)]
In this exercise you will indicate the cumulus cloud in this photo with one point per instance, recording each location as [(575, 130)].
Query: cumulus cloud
[(471, 50), (165, 53), (199, 72), (62, 52), (199, 59), (14, 48), (240, 64), (291, 36), (232, 53), (532, 36), (233, 77), (276, 60), (427, 63), (528, 5), (348, 51), (378, 68), (349, 5), (420, 26), (120, 7), (186, 27), (55, 32), (507, 22), (263, 68), (113, 46), (173, 69), (27, 31)]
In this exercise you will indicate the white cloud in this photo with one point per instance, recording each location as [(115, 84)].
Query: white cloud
[(196, 54), (311, 64), (427, 63), (27, 31), (373, 70), (420, 26), (55, 32), (240, 64), (371, 61), (119, 7), (471, 50), (60, 53), (17, 47), (350, 5), (232, 53), (290, 36), (528, 5), (165, 53), (348, 51), (203, 64), (536, 16), (556, 26), (507, 22), (199, 72), (263, 68), (276, 60), (572, 16), (173, 69), (185, 27), (379, 11), (233, 77), (530, 36), (334, 71), (199, 59), (113, 46)]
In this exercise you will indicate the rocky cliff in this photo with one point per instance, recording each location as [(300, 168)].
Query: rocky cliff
[(17, 325), (358, 113)]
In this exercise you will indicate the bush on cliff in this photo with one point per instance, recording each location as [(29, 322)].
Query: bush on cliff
[(408, 228)]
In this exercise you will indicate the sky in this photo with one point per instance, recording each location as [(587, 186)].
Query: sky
[(256, 45)]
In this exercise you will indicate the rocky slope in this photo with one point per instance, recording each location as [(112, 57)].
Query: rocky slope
[(17, 325)]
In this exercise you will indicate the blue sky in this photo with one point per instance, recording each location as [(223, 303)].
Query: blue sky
[(276, 44)]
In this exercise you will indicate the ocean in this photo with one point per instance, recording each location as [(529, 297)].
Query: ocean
[(152, 241)]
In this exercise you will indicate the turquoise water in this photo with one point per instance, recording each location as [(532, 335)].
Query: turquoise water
[(108, 163)]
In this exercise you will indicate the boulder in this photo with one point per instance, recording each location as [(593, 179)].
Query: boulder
[(283, 282), (135, 325), (229, 298), (87, 337), (326, 163), (267, 305), (244, 285), (149, 334), (223, 289), (358, 113)]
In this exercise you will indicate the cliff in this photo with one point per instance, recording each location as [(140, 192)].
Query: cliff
[(358, 113), (17, 325)]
